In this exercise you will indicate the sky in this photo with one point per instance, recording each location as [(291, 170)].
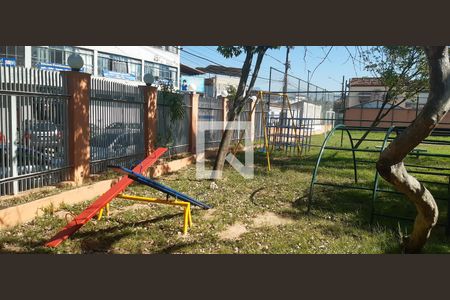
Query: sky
[(328, 75)]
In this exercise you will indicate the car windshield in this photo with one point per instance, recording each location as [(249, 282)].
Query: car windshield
[(134, 126), (103, 140), (115, 126), (42, 126)]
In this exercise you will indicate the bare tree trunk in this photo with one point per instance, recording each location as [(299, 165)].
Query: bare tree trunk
[(227, 134), (223, 150), (238, 105), (390, 164)]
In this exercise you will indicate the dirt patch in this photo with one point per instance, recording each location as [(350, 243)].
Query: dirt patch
[(209, 214), (136, 206), (233, 232), (270, 219), (11, 248)]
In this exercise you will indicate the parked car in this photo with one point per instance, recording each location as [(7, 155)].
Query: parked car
[(94, 129), (29, 161), (42, 134), (112, 145), (120, 127)]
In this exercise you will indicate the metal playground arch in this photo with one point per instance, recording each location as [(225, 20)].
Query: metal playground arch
[(375, 189)]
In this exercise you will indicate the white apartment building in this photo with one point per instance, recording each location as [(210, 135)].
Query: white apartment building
[(128, 63)]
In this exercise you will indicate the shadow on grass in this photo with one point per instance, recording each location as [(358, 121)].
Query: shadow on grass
[(253, 194), (173, 248), (95, 240), (353, 207), (102, 240), (18, 248)]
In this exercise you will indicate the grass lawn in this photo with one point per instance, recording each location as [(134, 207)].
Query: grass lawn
[(262, 215)]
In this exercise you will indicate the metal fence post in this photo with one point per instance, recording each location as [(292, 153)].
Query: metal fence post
[(253, 121), (417, 105), (14, 126)]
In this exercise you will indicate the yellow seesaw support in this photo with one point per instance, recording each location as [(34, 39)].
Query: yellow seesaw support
[(186, 205)]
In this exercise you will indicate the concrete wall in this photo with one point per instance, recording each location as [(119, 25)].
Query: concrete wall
[(353, 97), (396, 117), (217, 83)]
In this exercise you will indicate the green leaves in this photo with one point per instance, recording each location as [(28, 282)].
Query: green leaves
[(402, 69), (233, 51), (230, 51), (174, 101)]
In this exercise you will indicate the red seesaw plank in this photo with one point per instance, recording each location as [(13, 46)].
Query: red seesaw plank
[(95, 207)]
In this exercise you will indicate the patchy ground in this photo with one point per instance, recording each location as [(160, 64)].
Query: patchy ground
[(262, 215)]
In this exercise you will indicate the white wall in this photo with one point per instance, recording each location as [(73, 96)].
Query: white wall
[(147, 53), (144, 53), (221, 83), (353, 95)]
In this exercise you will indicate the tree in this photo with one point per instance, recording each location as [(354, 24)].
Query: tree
[(390, 163), (242, 93), (402, 70), (231, 90)]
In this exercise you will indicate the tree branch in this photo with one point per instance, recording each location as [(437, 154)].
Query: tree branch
[(321, 62)]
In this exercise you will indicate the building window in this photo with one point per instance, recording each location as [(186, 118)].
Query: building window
[(172, 49), (166, 74), (120, 67), (14, 54), (55, 57)]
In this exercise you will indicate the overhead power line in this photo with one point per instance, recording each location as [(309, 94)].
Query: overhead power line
[(274, 58), (214, 62), (216, 52), (206, 59)]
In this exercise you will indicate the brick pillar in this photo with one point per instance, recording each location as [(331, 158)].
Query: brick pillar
[(78, 87), (150, 114), (194, 118)]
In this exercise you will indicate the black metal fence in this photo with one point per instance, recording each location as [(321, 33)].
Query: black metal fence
[(210, 110), (116, 124), (173, 134), (33, 129)]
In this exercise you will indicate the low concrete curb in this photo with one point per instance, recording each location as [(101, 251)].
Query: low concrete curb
[(171, 166), (26, 212)]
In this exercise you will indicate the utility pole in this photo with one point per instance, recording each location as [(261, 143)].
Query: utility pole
[(286, 69), (285, 81), (285, 85)]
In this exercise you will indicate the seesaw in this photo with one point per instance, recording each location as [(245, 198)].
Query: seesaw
[(115, 191), (158, 186)]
